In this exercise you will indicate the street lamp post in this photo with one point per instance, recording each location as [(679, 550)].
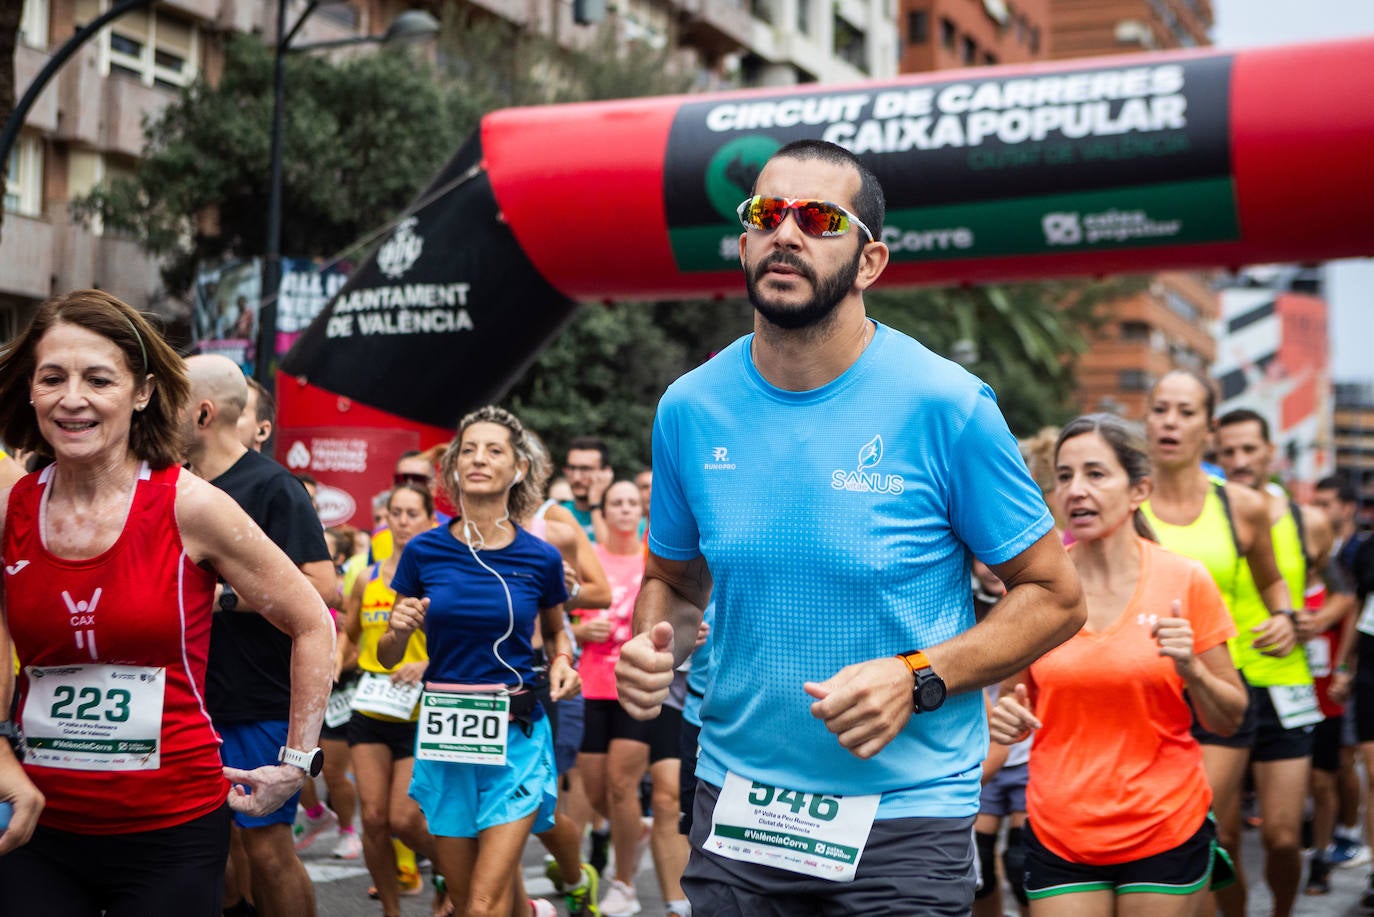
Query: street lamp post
[(408, 26)]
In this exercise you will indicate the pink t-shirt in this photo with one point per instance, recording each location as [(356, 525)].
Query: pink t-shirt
[(625, 572)]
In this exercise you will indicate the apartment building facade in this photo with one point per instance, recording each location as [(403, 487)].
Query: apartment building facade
[(87, 125), (943, 34)]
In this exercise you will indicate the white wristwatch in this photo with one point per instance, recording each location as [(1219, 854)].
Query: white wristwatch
[(312, 762)]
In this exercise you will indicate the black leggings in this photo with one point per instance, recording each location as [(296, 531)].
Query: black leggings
[(171, 872)]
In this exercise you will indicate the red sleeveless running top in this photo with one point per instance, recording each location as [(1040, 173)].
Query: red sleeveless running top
[(142, 603)]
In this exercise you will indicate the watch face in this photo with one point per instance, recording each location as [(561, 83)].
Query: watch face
[(930, 693), (316, 762)]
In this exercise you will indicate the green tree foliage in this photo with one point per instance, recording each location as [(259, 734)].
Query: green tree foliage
[(1022, 339), (359, 138), (363, 136), (604, 374)]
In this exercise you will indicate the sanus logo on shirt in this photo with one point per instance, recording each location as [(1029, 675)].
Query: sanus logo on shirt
[(861, 479)]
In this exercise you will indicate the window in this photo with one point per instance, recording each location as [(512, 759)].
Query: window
[(24, 179), (761, 9), (33, 24), (1135, 332), (850, 45), (989, 59), (948, 34), (804, 16), (1133, 380), (151, 46), (917, 27), (1181, 307), (969, 51), (1035, 39)]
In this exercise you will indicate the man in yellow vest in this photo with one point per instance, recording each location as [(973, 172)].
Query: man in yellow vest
[(1287, 704)]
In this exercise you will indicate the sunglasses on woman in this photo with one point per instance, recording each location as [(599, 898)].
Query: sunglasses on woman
[(821, 219)]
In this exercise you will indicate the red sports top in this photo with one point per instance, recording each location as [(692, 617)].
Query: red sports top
[(142, 603)]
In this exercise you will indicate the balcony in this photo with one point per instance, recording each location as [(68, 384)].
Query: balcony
[(84, 260), (78, 85), (26, 257), (127, 103), (204, 10), (27, 62), (718, 26)]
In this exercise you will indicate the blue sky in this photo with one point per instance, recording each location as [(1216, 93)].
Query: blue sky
[(1350, 283)]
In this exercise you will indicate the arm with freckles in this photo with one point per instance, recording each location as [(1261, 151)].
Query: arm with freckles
[(596, 588), (672, 597), (1276, 636), (215, 530), (866, 704)]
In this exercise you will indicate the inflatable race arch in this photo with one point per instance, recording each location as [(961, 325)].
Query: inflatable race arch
[(1133, 163)]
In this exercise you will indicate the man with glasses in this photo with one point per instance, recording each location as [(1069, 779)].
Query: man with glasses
[(826, 481), (413, 467), (589, 473)]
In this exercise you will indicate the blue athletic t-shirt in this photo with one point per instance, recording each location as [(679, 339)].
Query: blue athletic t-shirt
[(838, 525), (468, 612)]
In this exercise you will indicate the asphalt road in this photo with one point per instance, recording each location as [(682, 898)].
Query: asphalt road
[(341, 886)]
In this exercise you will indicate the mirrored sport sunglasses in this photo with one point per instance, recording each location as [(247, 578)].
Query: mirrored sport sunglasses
[(821, 219)]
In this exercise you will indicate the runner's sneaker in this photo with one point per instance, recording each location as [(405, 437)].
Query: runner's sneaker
[(541, 908), (306, 829), (412, 883), (1346, 852), (349, 847), (1318, 877), (621, 901), (581, 900)]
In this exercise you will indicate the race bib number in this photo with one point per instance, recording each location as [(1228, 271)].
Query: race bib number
[(1296, 705), (340, 707), (379, 694), (1366, 623), (95, 717), (464, 728), (806, 833), (1319, 656)]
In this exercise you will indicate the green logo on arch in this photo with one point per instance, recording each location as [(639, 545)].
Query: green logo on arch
[(731, 172)]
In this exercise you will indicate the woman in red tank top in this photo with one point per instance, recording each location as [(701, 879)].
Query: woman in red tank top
[(111, 558)]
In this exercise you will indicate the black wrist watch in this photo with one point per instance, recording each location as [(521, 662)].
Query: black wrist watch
[(591, 508), (228, 598), (1290, 614), (928, 691), (9, 731)]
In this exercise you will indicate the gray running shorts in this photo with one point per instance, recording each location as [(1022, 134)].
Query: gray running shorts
[(910, 866)]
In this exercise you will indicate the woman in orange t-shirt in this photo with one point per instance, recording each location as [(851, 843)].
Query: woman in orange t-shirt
[(1118, 799)]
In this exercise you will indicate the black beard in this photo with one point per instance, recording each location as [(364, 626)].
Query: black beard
[(827, 292)]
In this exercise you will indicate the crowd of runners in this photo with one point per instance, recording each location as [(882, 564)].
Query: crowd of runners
[(848, 647)]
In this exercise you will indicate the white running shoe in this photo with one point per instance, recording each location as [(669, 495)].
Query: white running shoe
[(541, 908), (349, 847), (307, 829), (621, 901)]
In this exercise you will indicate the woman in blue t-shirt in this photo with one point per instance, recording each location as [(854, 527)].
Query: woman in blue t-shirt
[(484, 773)]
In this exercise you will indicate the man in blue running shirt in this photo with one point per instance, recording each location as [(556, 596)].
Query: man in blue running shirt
[(827, 480)]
